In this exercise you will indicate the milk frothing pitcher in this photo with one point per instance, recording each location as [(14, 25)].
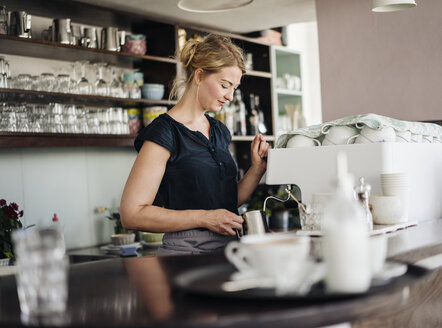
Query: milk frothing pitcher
[(20, 24), (109, 39), (62, 30)]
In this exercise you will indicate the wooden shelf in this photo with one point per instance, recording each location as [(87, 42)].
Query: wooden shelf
[(259, 74), (24, 139), (250, 138), (14, 45), (33, 96)]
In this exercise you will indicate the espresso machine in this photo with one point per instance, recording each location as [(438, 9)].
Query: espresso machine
[(313, 170)]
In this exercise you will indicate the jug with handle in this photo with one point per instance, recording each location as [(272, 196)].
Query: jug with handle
[(109, 39)]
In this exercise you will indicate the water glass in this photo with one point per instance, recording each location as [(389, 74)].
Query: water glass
[(56, 118), (70, 119), (23, 81), (47, 82), (93, 122), (81, 122), (63, 83), (41, 270), (21, 113)]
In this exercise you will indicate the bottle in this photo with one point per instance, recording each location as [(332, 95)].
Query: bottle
[(261, 123), (240, 114), (362, 192), (253, 118), (229, 116), (346, 238), (56, 224)]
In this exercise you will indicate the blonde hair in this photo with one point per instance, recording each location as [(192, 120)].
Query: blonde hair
[(211, 54)]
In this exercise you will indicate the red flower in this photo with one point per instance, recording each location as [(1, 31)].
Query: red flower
[(20, 213), (14, 206), (2, 202)]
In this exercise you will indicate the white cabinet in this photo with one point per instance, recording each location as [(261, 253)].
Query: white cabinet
[(286, 88)]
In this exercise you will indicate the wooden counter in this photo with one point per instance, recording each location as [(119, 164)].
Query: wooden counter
[(137, 292)]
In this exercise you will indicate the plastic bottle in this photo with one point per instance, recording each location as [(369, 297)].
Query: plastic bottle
[(56, 223), (346, 238)]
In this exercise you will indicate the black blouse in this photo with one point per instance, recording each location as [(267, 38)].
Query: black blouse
[(200, 174)]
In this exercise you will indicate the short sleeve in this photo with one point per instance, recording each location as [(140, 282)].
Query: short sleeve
[(159, 132)]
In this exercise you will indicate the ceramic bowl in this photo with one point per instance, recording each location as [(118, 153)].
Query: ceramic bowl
[(153, 91), (123, 238)]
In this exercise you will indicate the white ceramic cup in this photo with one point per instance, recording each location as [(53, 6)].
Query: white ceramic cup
[(338, 135), (300, 140), (369, 135), (268, 255), (386, 209), (427, 139), (403, 136), (417, 138)]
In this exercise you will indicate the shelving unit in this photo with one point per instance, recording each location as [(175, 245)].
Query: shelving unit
[(284, 61), (158, 66)]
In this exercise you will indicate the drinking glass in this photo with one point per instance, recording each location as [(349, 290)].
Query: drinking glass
[(101, 88), (21, 113), (56, 118), (93, 122), (83, 85), (64, 83), (70, 119), (47, 82), (115, 86), (4, 73), (82, 124), (23, 82), (41, 271)]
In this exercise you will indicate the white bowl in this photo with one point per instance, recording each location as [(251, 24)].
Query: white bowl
[(386, 209)]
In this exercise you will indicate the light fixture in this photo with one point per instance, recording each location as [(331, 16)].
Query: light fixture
[(392, 5), (211, 6)]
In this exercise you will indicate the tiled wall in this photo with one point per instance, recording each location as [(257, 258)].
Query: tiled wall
[(71, 182)]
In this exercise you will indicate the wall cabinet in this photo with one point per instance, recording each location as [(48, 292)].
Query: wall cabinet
[(158, 66)]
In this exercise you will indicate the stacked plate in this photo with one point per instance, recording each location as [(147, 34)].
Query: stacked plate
[(397, 184)]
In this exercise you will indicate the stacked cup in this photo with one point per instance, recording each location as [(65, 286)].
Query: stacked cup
[(397, 184)]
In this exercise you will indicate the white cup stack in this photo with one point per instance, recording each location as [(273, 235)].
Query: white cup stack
[(397, 184)]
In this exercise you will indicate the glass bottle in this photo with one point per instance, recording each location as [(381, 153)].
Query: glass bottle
[(240, 114), (346, 238), (253, 117)]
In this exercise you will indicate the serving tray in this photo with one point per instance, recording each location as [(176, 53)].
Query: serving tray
[(207, 281)]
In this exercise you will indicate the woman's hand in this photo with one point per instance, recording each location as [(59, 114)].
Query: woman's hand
[(259, 150), (223, 222)]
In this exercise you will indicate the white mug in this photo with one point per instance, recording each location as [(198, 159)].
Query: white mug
[(416, 138), (300, 140), (386, 209), (338, 135), (369, 135), (403, 136)]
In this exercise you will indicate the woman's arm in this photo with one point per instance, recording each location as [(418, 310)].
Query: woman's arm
[(137, 211), (259, 150)]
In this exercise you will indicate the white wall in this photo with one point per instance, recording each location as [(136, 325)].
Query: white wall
[(303, 37), (71, 182)]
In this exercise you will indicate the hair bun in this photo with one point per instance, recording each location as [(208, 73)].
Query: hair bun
[(188, 52)]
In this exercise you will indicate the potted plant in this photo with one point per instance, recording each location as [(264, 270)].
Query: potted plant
[(9, 221), (121, 236)]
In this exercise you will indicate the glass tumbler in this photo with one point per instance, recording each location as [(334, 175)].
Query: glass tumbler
[(47, 82), (41, 271)]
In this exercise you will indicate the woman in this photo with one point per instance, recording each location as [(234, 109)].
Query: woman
[(184, 155)]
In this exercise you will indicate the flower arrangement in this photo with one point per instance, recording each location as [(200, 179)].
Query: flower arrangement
[(114, 216), (9, 221)]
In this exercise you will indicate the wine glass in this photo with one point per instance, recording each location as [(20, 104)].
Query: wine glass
[(101, 87), (115, 87), (83, 85)]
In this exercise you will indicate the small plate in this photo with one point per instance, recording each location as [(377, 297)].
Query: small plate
[(116, 249)]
